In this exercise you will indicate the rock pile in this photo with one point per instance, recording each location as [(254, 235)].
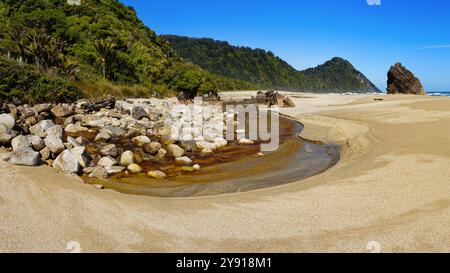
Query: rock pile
[(110, 137)]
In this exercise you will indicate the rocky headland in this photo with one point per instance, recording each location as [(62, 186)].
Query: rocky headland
[(403, 81)]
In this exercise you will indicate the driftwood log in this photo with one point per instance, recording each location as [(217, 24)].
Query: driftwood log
[(106, 104)]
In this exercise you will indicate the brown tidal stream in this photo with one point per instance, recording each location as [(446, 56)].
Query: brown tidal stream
[(234, 168)]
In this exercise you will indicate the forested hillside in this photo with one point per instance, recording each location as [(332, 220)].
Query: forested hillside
[(98, 45), (267, 70)]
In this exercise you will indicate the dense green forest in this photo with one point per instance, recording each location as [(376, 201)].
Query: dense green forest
[(53, 51), (267, 70), (99, 47)]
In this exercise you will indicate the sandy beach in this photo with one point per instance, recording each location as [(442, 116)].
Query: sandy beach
[(391, 186)]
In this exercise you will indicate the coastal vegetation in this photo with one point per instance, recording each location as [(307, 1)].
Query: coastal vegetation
[(26, 84), (100, 43)]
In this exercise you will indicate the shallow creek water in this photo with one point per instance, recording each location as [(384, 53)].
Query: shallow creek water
[(235, 168)]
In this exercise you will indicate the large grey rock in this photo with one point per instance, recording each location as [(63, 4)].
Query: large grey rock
[(24, 157), (403, 81), (67, 162), (107, 162), (127, 158), (82, 156), (7, 120), (139, 113), (175, 151), (54, 143), (41, 128), (20, 142)]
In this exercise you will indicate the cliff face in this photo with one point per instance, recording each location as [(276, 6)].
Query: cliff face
[(403, 81)]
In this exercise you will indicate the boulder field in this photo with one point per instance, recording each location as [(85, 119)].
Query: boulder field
[(107, 138)]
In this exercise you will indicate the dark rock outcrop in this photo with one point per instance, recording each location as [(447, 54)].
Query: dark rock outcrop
[(272, 98), (139, 113), (403, 81)]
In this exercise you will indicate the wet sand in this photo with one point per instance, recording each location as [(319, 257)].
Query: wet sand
[(390, 186)]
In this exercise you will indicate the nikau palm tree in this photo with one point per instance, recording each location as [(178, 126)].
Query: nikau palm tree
[(45, 50), (15, 43), (69, 69), (107, 51)]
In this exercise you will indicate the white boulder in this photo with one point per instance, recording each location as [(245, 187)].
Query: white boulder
[(54, 143), (7, 120)]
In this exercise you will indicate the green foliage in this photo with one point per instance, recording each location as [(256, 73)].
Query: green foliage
[(267, 70), (188, 81), (25, 84), (100, 41)]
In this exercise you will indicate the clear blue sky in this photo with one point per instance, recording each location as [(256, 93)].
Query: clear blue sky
[(306, 33)]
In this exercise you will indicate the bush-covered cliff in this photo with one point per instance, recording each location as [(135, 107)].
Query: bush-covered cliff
[(99, 41), (264, 68)]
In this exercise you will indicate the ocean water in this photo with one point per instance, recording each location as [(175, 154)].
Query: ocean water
[(429, 93), (439, 93)]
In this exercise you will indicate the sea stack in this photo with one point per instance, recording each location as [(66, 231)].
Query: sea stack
[(403, 81)]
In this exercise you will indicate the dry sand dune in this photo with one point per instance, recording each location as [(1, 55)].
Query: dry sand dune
[(391, 186)]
